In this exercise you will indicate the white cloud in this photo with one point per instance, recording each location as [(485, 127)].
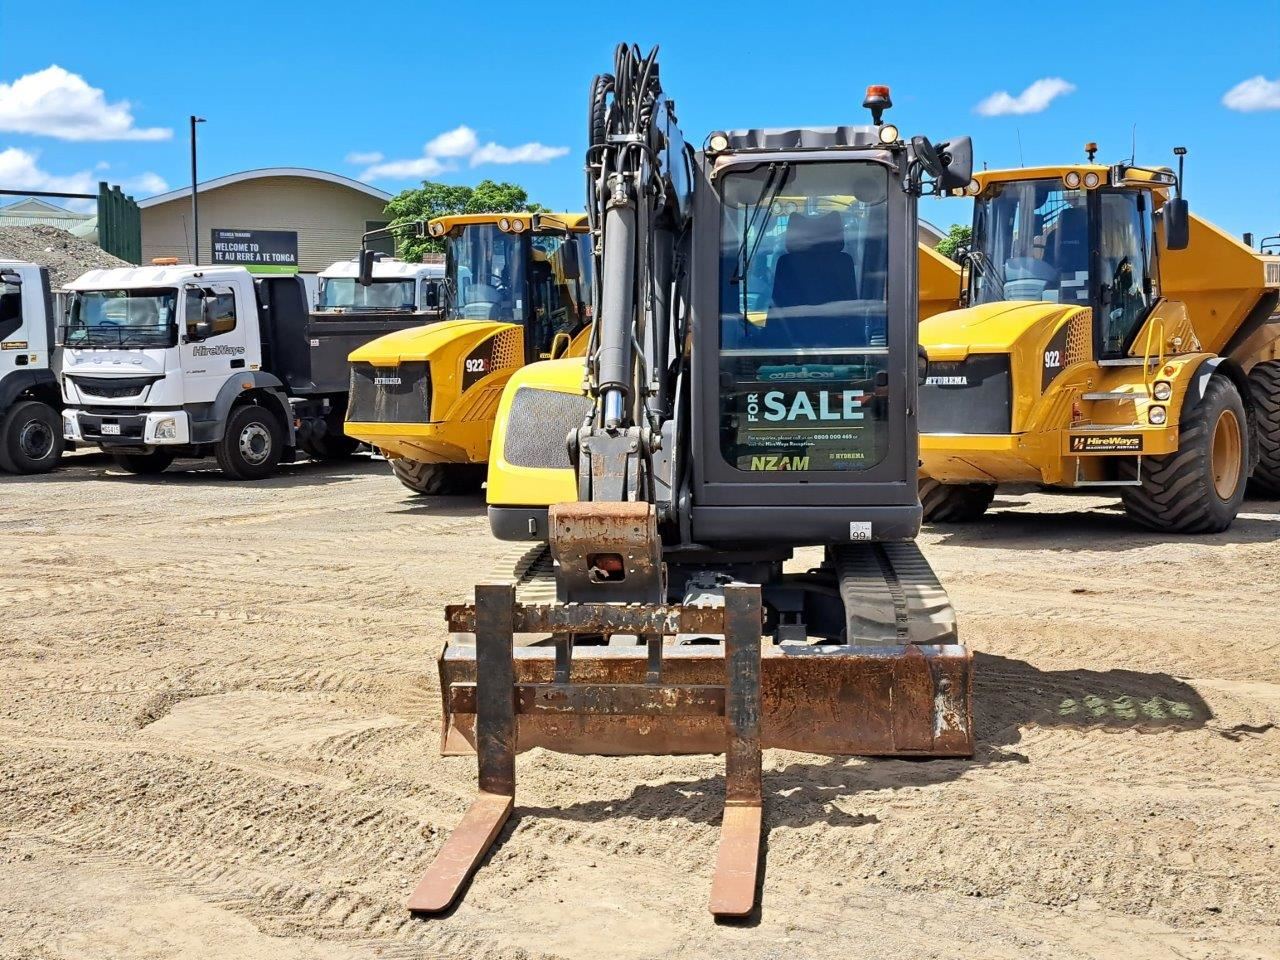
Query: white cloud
[(458, 142), (420, 167), (443, 152), (525, 153), (56, 103), (364, 157), (1256, 93), (21, 170), (1034, 99)]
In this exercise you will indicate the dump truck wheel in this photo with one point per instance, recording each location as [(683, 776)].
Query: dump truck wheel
[(30, 438), (438, 479), (955, 502), (334, 446), (144, 464), (1199, 488), (1264, 387), (252, 446)]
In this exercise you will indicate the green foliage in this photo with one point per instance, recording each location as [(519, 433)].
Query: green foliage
[(434, 199), (956, 242)]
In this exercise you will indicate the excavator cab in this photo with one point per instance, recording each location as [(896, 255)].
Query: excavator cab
[(749, 388)]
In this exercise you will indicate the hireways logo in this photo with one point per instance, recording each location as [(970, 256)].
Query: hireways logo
[(218, 350)]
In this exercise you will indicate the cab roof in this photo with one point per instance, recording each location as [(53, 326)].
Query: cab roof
[(1130, 176), (573, 222), (385, 270), (117, 278)]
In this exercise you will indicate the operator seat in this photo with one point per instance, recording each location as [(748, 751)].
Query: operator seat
[(482, 302), (815, 269)]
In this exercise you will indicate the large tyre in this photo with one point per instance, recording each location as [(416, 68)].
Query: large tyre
[(955, 502), (30, 438), (252, 445), (1264, 387), (438, 479), (1198, 488), (144, 464)]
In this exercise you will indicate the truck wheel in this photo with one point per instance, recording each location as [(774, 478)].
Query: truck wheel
[(30, 438), (252, 445), (955, 502), (1198, 488), (334, 446), (1264, 387), (144, 464), (438, 479)]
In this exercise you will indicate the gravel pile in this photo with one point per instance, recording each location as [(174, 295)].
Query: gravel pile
[(65, 255)]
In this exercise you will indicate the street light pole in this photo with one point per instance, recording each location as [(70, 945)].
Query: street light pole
[(195, 202)]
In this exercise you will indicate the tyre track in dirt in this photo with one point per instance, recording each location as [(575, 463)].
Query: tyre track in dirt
[(228, 691)]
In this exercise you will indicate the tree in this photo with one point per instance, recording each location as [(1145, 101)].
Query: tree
[(956, 242), (434, 199)]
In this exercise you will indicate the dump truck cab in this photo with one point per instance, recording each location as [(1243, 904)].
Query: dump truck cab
[(515, 290), (396, 287), (1098, 310), (30, 402)]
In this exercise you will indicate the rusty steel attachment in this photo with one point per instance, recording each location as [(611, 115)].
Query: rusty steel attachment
[(671, 678), (728, 709)]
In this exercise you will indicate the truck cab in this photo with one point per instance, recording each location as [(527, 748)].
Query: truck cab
[(175, 360), (396, 287), (30, 428)]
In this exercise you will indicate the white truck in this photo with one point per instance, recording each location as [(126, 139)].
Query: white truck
[(393, 286), (170, 361), (30, 402)]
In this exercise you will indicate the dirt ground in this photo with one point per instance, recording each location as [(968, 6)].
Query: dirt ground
[(218, 738)]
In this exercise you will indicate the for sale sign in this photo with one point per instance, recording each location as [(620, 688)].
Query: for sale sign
[(262, 251)]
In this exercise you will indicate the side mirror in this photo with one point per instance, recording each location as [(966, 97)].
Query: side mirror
[(433, 296), (569, 259), (927, 156), (922, 365), (366, 268), (1177, 226), (11, 278), (956, 157)]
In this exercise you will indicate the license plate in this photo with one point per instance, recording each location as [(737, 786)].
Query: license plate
[(111, 429)]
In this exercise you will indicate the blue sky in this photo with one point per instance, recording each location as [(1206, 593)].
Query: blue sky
[(310, 84)]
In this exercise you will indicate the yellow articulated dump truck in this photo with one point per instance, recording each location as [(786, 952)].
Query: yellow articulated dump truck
[(1110, 340), (516, 289)]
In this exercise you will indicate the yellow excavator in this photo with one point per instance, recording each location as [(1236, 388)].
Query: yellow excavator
[(749, 388), (1111, 340), (427, 398), (516, 289)]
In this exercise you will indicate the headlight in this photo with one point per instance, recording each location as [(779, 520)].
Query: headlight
[(1156, 415), (974, 188), (517, 225), (167, 429), (1090, 180), (718, 142), (437, 229), (888, 133), (70, 429), (504, 224), (1072, 180), (1163, 390)]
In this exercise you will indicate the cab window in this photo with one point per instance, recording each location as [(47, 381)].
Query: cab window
[(1126, 283), (221, 309), (10, 308), (557, 296)]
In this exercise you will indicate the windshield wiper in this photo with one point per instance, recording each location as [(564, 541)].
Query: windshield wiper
[(988, 269), (769, 191)]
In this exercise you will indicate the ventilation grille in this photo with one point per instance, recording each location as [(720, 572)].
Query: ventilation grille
[(400, 394), (1079, 338), (539, 424)]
